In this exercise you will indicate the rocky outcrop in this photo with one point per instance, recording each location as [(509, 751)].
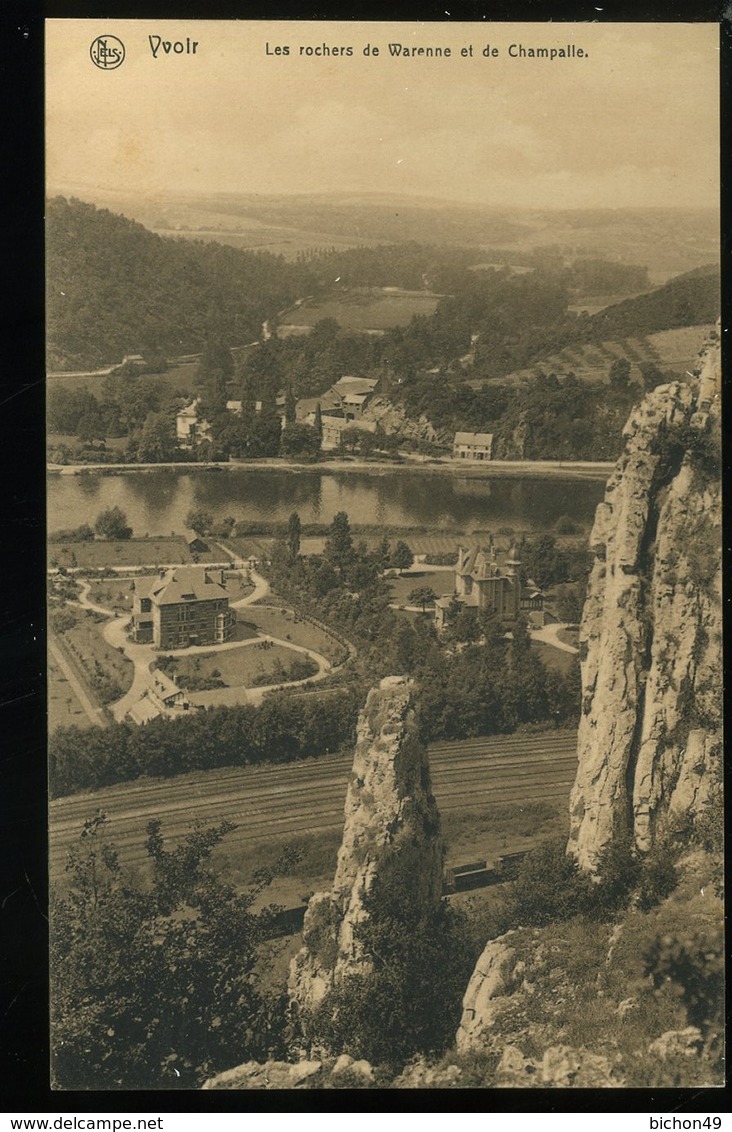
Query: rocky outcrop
[(513, 445), (391, 823), (339, 1073), (393, 420), (485, 996), (268, 1075), (650, 641)]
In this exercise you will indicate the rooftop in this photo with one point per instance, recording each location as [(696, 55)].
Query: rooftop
[(474, 438), (181, 584)]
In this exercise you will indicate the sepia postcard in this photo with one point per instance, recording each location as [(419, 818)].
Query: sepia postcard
[(384, 555)]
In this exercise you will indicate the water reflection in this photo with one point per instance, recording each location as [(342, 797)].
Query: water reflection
[(157, 502)]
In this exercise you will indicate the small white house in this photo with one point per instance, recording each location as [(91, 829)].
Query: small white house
[(473, 446)]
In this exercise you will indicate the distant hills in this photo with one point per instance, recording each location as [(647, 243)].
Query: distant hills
[(667, 240), (116, 288)]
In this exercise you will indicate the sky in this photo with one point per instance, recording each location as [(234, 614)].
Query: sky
[(631, 123)]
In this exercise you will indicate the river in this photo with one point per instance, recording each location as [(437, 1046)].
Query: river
[(157, 502)]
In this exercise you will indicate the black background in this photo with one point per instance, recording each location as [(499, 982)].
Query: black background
[(23, 817)]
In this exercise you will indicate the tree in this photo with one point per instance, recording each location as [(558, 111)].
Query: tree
[(267, 427), (651, 375), (339, 544), (155, 986), (619, 375), (381, 554), (112, 524), (542, 560), (299, 440), (290, 406), (199, 520), (402, 557), (92, 426), (294, 528), (215, 371), (156, 442), (319, 424), (569, 602), (422, 595)]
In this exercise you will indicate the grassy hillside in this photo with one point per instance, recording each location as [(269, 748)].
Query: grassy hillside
[(670, 350)]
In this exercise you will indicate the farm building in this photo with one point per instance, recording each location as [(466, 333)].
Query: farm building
[(187, 605), (473, 446), (195, 543), (348, 398)]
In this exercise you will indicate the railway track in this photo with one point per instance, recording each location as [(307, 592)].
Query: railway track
[(294, 799)]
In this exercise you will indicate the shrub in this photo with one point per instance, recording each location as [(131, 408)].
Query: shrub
[(548, 887), (410, 1000), (693, 963), (658, 876), (61, 620), (618, 874)]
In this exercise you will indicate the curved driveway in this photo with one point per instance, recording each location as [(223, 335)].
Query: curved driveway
[(143, 657), (549, 635)]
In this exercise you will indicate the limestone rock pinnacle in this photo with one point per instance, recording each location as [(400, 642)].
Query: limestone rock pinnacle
[(389, 812)]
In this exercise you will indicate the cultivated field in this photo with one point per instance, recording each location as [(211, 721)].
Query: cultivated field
[(126, 552), (177, 378), (363, 309), (106, 671), (64, 708), (669, 350)]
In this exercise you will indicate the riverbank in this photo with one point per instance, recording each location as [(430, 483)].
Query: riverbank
[(493, 469)]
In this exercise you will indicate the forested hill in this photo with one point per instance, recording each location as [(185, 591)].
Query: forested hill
[(114, 288), (688, 300)]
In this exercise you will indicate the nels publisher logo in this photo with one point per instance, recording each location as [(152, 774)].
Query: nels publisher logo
[(107, 52)]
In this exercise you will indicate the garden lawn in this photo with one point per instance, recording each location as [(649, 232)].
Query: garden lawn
[(278, 621), (114, 594), (247, 667), (555, 659), (441, 581)]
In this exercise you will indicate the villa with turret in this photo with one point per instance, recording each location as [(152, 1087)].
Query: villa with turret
[(481, 583)]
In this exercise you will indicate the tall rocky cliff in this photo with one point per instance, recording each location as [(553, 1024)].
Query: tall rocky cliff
[(391, 818), (650, 645)]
